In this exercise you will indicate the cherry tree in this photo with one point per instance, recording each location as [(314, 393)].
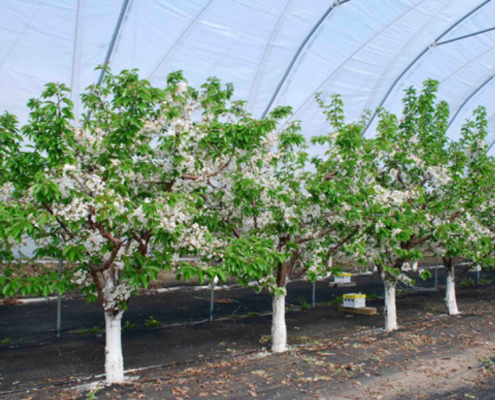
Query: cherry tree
[(278, 214), (410, 172), (343, 183), (9, 146), (458, 231), (262, 215), (119, 196)]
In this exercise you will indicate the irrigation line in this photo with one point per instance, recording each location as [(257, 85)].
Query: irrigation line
[(231, 286), (130, 371), (207, 359), (164, 365), (232, 300)]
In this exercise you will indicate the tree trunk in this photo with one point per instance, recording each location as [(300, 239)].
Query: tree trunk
[(450, 299), (279, 329), (390, 309), (114, 361)]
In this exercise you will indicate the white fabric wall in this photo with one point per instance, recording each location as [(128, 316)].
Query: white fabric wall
[(358, 51)]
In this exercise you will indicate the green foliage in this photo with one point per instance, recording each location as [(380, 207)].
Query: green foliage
[(337, 300), (304, 304), (122, 194), (488, 363), (129, 326), (424, 274), (251, 259), (151, 322), (93, 394), (372, 296), (265, 339), (16, 280), (186, 180), (252, 314), (468, 282), (5, 341), (95, 330)]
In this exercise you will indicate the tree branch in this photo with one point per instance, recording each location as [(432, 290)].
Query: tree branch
[(419, 241), (83, 186), (195, 178), (47, 207), (321, 234), (466, 270), (342, 242)]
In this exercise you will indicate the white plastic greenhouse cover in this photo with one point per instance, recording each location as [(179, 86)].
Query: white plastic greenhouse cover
[(276, 52)]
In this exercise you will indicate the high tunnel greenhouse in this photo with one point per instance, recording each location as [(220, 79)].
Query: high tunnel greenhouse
[(277, 52), (178, 177)]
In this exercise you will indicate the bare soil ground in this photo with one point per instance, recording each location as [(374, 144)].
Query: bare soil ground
[(333, 356)]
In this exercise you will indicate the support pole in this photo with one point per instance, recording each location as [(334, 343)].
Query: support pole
[(313, 297), (59, 300), (477, 276), (212, 296), (212, 299), (436, 277)]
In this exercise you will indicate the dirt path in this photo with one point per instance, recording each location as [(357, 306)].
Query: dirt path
[(333, 356), (441, 358)]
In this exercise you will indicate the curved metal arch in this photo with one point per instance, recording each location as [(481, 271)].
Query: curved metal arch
[(398, 54), (289, 2), (74, 48), (467, 64), (466, 36), (491, 145), (418, 57), (298, 53), (469, 97), (179, 39), (123, 10), (345, 62)]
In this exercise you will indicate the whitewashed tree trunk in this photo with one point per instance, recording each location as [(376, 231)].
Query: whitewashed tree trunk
[(390, 308), (114, 360), (450, 298), (279, 329)]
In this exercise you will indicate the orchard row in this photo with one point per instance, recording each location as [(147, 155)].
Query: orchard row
[(186, 180)]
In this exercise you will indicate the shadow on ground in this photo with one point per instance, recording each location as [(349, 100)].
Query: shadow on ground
[(334, 355)]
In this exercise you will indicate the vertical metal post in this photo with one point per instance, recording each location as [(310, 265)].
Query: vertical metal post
[(313, 297), (477, 276), (436, 276), (59, 300), (212, 298)]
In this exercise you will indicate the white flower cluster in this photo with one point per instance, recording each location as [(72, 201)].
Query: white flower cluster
[(91, 140), (115, 293), (389, 197), (81, 278), (439, 175), (6, 191)]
